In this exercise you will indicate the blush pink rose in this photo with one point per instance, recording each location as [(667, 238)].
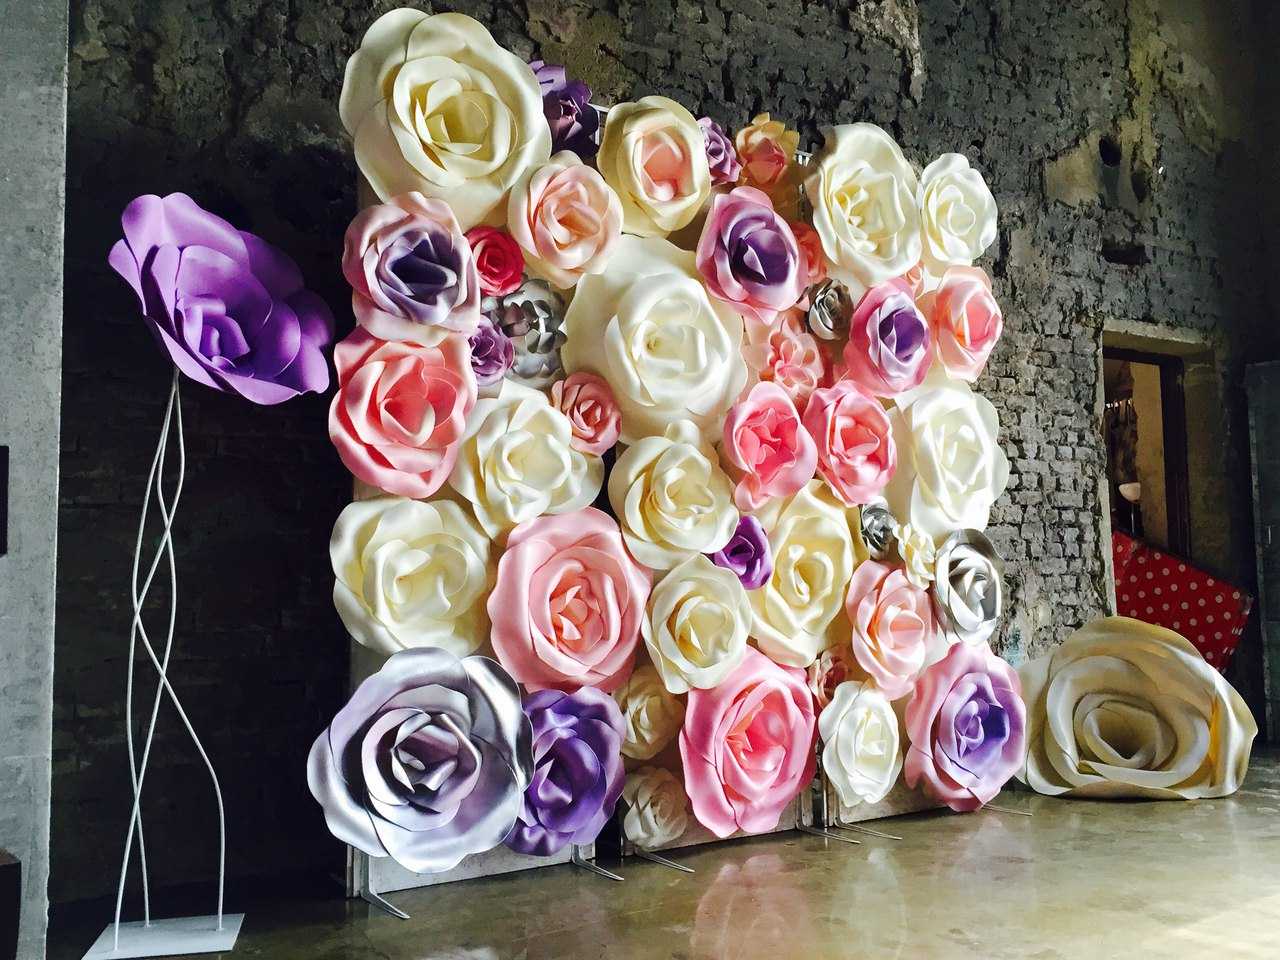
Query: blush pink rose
[(567, 605), (813, 262), (833, 667), (499, 262), (768, 447), (401, 410), (890, 345), (913, 279), (892, 626), (856, 452), (588, 401), (966, 320), (789, 355), (748, 256), (747, 746)]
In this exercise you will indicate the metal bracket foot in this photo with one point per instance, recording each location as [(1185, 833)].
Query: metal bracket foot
[(867, 830), (371, 898), (578, 860), (1017, 813), (819, 832), (646, 855)]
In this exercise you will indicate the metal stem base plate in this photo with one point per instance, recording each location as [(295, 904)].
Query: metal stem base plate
[(167, 938)]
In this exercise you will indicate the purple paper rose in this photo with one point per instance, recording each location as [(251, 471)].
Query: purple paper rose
[(577, 770), (747, 554), (722, 158), (492, 353), (229, 308), (567, 106), (890, 347)]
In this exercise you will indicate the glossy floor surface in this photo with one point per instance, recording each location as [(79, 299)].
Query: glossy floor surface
[(1077, 879)]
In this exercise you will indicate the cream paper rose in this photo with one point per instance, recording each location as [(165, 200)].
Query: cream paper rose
[(671, 497), (411, 574), (918, 554), (863, 194), (657, 808), (957, 213), (652, 716), (668, 350), (1127, 709), (861, 753), (518, 461), (794, 613), (654, 155), (435, 105), (697, 624)]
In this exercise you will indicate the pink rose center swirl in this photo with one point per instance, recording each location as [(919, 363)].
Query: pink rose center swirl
[(664, 166)]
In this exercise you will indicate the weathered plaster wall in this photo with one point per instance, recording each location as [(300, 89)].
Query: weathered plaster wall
[(1113, 133)]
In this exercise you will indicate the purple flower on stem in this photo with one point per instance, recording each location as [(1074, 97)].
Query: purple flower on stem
[(721, 155), (567, 106), (747, 554)]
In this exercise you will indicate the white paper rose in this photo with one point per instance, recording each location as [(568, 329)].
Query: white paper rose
[(435, 105), (794, 613), (652, 715), (918, 553), (411, 574), (671, 497), (1127, 709), (518, 461), (957, 213), (668, 351), (861, 753), (697, 623), (657, 808), (863, 194)]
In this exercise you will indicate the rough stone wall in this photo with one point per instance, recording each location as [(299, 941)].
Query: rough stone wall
[(235, 102)]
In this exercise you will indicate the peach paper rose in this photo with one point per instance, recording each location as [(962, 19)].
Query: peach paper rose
[(588, 401), (833, 667), (855, 449), (966, 320), (789, 355), (813, 265), (568, 603), (768, 151), (766, 444), (892, 626)]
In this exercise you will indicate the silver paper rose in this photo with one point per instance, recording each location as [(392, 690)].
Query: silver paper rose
[(533, 317), (968, 592), (428, 761), (830, 310), (879, 530)]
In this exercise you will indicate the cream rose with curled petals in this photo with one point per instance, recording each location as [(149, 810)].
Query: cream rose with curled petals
[(648, 327), (651, 714), (411, 574), (697, 624), (957, 213), (657, 808), (862, 750), (518, 461), (918, 554), (671, 498), (893, 626)]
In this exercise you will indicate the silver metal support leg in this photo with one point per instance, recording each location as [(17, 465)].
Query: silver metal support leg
[(578, 860), (647, 855), (867, 830), (371, 898), (1017, 813), (821, 832)]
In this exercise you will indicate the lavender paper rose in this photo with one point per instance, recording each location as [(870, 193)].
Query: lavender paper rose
[(722, 158), (748, 256), (747, 554), (567, 106), (492, 354), (229, 308)]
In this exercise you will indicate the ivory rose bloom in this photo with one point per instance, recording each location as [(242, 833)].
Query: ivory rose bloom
[(861, 753), (592, 411), (672, 498), (893, 626), (654, 156), (518, 461), (796, 612), (890, 346), (767, 446), (853, 440), (1128, 709), (651, 714), (568, 604), (400, 412), (788, 355), (696, 626), (863, 194), (747, 746), (647, 326), (435, 105), (411, 574), (657, 807), (918, 554), (567, 219), (966, 320), (957, 213), (748, 256)]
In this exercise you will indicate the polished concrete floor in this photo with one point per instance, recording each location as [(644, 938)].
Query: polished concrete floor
[(1077, 879)]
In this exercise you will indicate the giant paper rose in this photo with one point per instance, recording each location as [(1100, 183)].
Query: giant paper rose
[(653, 155), (747, 554), (647, 326), (967, 726), (672, 498), (412, 273), (966, 320), (863, 194), (656, 804), (518, 461), (228, 308), (401, 410), (861, 754), (651, 715), (593, 413), (957, 213), (772, 454), (788, 355), (854, 443), (411, 574), (893, 626), (748, 255), (834, 666), (577, 770), (968, 589), (747, 746), (567, 106), (427, 762), (568, 603), (768, 152), (796, 611), (1128, 709), (435, 105), (533, 318), (890, 345), (951, 468), (499, 260)]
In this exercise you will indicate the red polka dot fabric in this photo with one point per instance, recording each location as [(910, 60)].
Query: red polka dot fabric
[(1156, 587)]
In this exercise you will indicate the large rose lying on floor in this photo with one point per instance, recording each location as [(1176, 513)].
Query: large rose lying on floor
[(1127, 709), (427, 763)]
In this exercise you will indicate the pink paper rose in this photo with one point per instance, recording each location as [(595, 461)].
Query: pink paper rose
[(401, 410), (856, 452), (813, 269), (966, 320), (588, 401), (913, 280), (499, 262), (789, 355), (747, 746), (890, 347), (892, 626), (833, 667), (568, 602), (748, 256), (764, 441)]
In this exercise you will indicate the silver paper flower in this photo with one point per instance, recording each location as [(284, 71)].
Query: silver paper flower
[(879, 530), (968, 592), (533, 318), (830, 310)]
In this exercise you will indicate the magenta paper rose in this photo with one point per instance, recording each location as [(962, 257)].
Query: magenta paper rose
[(854, 441), (412, 272), (892, 626), (890, 346), (768, 448), (966, 320), (228, 308), (967, 725), (748, 255), (747, 746), (568, 603)]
